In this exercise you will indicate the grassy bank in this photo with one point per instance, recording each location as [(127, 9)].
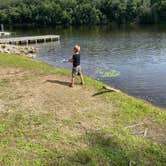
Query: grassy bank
[(44, 122)]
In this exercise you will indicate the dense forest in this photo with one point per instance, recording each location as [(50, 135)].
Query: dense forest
[(82, 12)]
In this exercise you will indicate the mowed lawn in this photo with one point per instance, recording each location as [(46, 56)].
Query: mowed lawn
[(45, 122)]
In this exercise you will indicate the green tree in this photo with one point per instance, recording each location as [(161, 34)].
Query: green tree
[(67, 12), (86, 14)]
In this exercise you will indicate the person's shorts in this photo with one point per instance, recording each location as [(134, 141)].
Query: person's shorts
[(76, 71)]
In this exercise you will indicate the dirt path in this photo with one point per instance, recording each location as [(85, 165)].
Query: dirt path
[(51, 94)]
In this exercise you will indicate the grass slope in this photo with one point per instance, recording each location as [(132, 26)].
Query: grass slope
[(44, 122)]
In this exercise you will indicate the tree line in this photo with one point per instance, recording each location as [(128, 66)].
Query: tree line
[(82, 12)]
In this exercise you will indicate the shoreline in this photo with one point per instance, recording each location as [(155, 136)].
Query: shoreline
[(67, 72), (31, 52), (77, 123), (121, 91), (27, 51)]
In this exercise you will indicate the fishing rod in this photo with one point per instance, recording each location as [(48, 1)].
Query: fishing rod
[(66, 61)]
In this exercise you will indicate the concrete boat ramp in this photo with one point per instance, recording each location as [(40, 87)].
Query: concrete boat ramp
[(29, 39)]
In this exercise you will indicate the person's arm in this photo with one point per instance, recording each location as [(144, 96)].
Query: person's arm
[(70, 60)]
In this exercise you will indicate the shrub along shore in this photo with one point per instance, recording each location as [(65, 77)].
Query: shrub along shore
[(44, 122)]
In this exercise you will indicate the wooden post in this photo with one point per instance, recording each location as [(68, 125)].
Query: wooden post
[(111, 89)]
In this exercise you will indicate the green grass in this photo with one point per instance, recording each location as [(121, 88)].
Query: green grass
[(27, 138), (29, 64)]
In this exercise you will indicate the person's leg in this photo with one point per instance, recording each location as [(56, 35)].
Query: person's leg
[(80, 74), (72, 81), (73, 76), (82, 79)]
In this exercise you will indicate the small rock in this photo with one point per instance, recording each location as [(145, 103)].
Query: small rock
[(19, 50)]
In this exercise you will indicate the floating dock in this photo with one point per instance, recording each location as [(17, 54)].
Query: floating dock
[(29, 39)]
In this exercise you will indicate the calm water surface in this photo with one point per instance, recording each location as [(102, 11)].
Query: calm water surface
[(138, 54)]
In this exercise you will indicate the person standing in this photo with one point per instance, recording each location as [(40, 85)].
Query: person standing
[(76, 70)]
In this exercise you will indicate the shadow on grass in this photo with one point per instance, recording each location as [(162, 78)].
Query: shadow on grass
[(116, 150), (102, 92), (100, 151), (59, 82)]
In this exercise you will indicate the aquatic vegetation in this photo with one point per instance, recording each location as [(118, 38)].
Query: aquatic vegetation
[(112, 73)]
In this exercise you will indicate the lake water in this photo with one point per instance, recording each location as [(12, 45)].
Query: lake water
[(138, 54)]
